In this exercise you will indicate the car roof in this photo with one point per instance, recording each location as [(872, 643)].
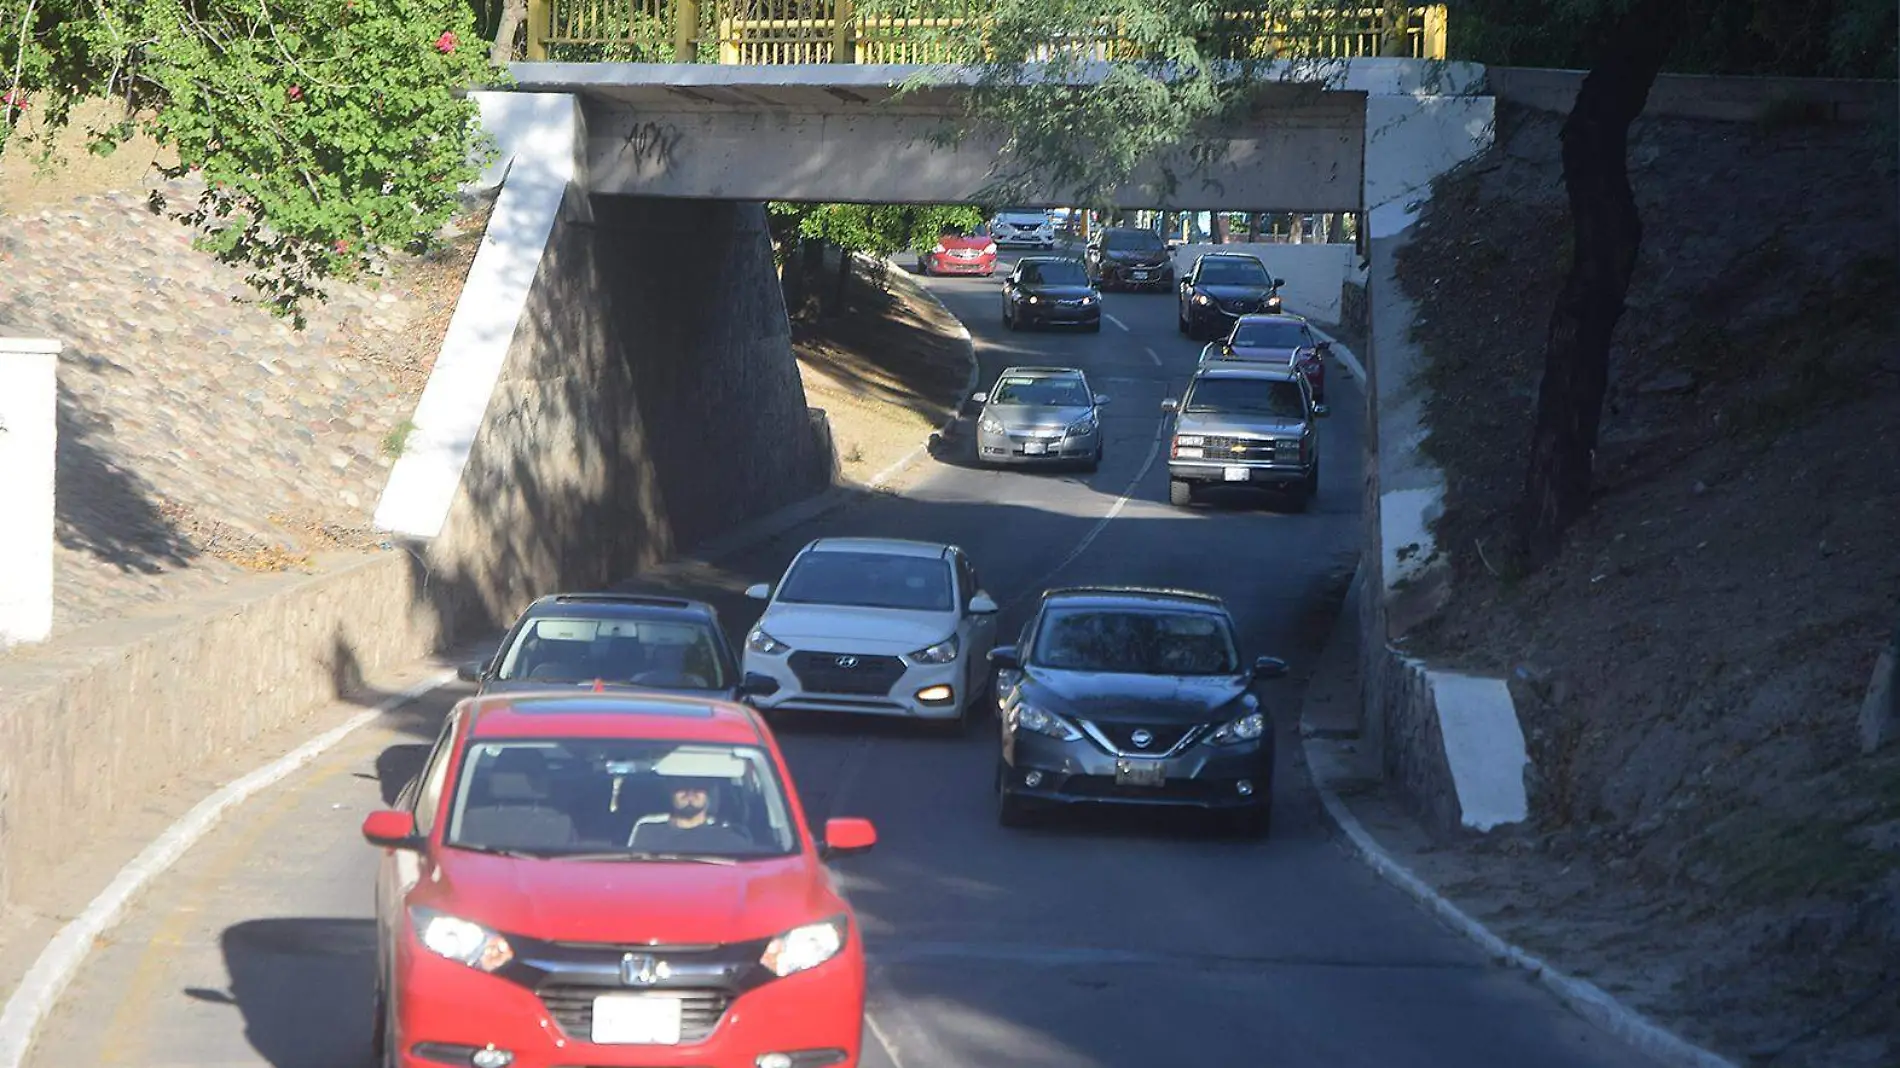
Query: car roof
[(1230, 256), (1020, 260), (1248, 369), (1253, 317), (617, 604), (1134, 596), (567, 712), (1042, 372), (884, 546)]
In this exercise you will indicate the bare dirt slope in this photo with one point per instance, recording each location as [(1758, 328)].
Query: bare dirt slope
[(1706, 836)]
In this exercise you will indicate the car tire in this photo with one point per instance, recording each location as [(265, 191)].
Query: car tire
[(1180, 493), (1180, 319), (1095, 327), (1011, 811)]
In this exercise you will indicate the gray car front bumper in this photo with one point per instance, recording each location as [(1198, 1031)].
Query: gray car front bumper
[(1081, 772)]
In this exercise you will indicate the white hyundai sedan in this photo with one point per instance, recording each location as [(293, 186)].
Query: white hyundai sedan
[(881, 626)]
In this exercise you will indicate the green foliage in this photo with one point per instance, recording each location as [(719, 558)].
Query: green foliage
[(1801, 38), (1178, 73), (873, 229), (324, 131)]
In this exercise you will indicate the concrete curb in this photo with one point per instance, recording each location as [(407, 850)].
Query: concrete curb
[(59, 963), (1583, 998), (1344, 355)]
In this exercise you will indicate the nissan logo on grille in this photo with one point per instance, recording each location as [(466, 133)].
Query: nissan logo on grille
[(847, 661), (642, 969), (1141, 739)]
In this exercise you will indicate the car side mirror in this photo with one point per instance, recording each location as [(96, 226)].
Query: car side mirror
[(391, 829), (1101, 401), (1324, 348), (757, 685), (759, 591), (1170, 405), (1278, 282), (471, 670), (845, 835), (1005, 658), (1268, 667), (1322, 411), (983, 604), (981, 397)]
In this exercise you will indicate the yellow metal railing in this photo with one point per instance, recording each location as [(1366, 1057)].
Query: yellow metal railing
[(927, 31)]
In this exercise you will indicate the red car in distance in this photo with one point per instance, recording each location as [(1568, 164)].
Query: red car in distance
[(614, 880), (960, 252)]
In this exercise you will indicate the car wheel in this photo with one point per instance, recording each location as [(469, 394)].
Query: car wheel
[(1180, 320), (1095, 327), (1180, 493)]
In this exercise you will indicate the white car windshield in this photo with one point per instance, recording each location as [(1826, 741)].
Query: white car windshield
[(870, 580), (663, 654), (1136, 642), (611, 798)]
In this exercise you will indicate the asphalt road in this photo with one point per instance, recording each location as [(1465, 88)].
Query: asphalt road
[(1088, 943)]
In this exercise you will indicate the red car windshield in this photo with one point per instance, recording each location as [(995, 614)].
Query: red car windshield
[(610, 798)]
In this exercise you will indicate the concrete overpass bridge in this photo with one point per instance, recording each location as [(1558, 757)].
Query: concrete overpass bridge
[(715, 140)]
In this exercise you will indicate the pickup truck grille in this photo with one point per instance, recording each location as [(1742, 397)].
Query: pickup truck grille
[(1258, 450)]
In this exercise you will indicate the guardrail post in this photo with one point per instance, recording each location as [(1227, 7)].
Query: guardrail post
[(843, 41), (539, 27), (29, 435), (685, 31)]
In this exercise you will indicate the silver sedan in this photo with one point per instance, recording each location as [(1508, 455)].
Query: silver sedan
[(1040, 415)]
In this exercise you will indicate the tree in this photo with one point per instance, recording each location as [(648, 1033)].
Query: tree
[(1086, 93), (1625, 45), (876, 230), (324, 131), (1607, 234)]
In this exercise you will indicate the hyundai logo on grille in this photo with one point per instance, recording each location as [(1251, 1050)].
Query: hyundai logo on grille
[(847, 661), (1141, 739), (641, 969)]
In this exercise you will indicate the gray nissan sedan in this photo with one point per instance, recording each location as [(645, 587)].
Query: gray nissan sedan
[(1040, 415), (1130, 695)]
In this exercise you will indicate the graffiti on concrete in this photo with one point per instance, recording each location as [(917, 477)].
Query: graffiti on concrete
[(654, 144)]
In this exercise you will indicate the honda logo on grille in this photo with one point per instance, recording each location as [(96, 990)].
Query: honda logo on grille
[(1141, 739), (642, 969), (847, 661)]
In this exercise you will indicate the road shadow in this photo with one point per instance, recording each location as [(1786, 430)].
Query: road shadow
[(304, 986), (888, 346), (102, 508)]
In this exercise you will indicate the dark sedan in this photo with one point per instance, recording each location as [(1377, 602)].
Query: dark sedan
[(1128, 695), (1283, 339), (1222, 287), (615, 641), (1130, 258), (1050, 291)]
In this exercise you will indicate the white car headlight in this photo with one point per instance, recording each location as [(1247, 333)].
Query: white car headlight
[(760, 642), (941, 653), (462, 941), (989, 425), (1084, 425), (1245, 728), (1028, 717), (803, 948)]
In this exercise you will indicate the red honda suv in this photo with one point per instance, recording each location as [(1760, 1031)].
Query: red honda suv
[(615, 880)]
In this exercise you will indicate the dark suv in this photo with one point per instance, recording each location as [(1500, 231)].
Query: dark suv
[(1130, 258), (619, 641), (1120, 695)]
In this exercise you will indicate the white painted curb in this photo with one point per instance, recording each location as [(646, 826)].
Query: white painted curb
[(62, 958), (1585, 999)]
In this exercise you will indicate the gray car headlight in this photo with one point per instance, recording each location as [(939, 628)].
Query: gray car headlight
[(1084, 425), (1030, 718), (462, 941), (1244, 728), (941, 653), (989, 426)]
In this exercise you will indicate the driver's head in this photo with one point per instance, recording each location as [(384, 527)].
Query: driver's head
[(691, 797)]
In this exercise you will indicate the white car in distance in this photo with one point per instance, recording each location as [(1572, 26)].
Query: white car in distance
[(878, 626)]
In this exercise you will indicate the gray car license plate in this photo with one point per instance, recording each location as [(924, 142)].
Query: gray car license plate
[(1139, 772)]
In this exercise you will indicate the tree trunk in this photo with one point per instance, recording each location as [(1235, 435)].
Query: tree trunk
[(1606, 235), (513, 14), (841, 288)]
